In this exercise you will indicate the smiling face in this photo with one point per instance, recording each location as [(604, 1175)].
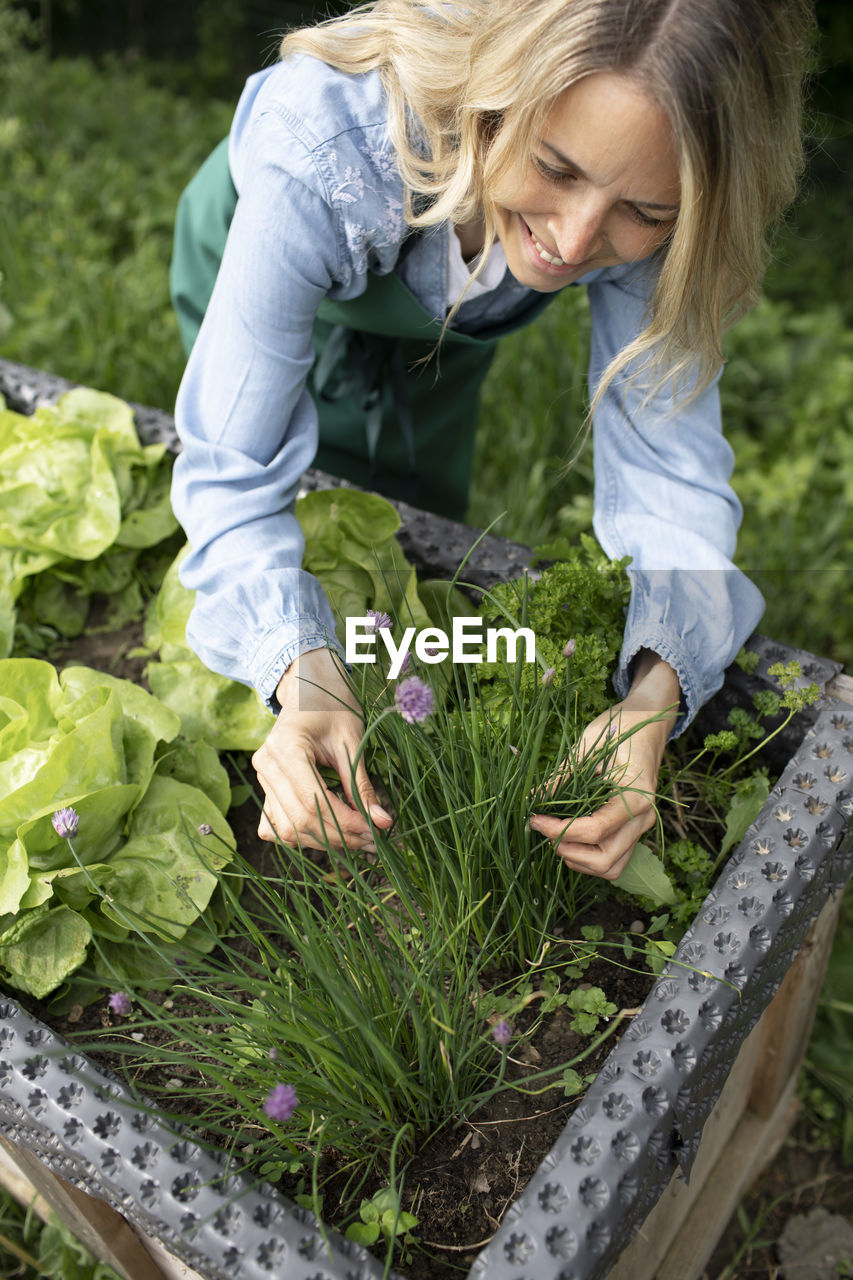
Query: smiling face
[(601, 187)]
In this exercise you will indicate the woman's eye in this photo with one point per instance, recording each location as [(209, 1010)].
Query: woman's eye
[(645, 219), (553, 175)]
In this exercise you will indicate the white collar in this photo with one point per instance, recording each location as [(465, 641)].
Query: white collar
[(459, 271)]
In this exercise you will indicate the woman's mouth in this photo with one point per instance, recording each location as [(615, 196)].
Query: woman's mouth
[(543, 252), (548, 261)]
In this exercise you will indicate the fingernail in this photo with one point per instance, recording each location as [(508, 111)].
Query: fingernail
[(377, 813)]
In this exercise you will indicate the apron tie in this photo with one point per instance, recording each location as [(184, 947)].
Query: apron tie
[(362, 365)]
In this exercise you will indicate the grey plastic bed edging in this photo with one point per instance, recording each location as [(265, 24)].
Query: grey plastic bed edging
[(641, 1119)]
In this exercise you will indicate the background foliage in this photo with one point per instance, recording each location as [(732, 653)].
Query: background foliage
[(33, 1250)]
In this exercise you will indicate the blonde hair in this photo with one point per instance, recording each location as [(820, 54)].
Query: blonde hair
[(469, 85)]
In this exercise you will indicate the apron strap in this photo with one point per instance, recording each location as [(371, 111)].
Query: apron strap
[(361, 365)]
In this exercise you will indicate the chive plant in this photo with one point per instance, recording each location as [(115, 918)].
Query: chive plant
[(357, 1002), (463, 784), (335, 1017)]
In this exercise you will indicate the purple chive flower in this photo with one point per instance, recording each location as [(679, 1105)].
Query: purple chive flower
[(379, 621), (502, 1033), (281, 1102), (119, 1002), (569, 648), (205, 829), (547, 677), (406, 664), (414, 699), (65, 823)]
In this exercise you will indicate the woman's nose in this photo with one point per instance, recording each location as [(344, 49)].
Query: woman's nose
[(578, 230)]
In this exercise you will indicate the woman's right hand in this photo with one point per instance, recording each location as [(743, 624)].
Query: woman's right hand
[(319, 724)]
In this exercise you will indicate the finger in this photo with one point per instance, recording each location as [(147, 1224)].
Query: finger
[(301, 809), (595, 827), (266, 830), (552, 829), (334, 822), (614, 842), (296, 790), (590, 830), (370, 801), (599, 857), (609, 856), (346, 816), (601, 864), (316, 835)]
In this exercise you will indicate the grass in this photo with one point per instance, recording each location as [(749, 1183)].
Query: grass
[(95, 188)]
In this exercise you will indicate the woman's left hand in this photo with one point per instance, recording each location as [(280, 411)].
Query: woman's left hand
[(602, 843)]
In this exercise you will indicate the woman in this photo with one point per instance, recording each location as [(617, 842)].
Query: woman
[(421, 173)]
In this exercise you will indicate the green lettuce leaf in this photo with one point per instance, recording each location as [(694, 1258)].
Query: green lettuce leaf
[(43, 948), (14, 877), (222, 712), (102, 746), (227, 715), (164, 878), (76, 485), (197, 764)]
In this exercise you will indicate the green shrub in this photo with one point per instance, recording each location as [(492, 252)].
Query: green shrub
[(94, 160), (788, 407)]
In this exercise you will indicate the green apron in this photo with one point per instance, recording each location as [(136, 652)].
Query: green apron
[(395, 414)]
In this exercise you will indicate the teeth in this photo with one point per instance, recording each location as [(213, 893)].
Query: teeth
[(543, 252)]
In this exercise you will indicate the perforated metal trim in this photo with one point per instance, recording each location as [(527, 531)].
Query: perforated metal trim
[(88, 1128)]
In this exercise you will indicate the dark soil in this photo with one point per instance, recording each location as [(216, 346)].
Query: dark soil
[(108, 651)]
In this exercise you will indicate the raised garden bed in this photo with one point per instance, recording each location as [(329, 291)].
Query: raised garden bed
[(640, 1122)]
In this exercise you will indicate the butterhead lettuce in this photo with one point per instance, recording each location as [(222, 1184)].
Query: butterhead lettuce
[(108, 749), (80, 499)]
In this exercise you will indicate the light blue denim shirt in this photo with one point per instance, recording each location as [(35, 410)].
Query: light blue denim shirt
[(321, 205)]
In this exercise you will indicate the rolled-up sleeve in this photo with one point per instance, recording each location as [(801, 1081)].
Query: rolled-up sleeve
[(662, 497), (248, 426)]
